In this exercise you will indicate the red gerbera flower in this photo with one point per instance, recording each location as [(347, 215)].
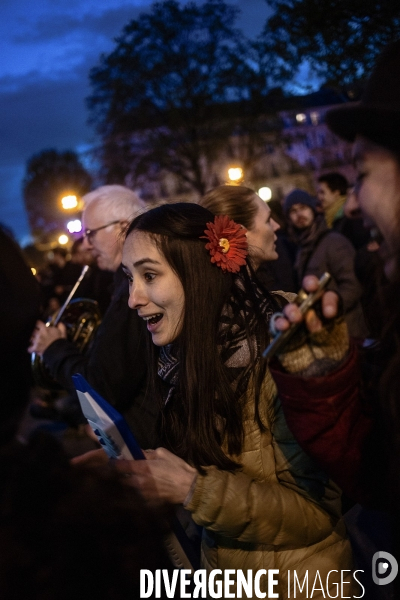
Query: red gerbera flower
[(227, 243)]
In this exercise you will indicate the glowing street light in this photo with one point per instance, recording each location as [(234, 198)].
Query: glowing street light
[(63, 239), (235, 174), (301, 118), (69, 202), (265, 193), (74, 226)]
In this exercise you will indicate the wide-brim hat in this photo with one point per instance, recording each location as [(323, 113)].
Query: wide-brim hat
[(377, 115)]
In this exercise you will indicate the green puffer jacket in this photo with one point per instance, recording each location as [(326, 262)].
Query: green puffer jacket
[(279, 511)]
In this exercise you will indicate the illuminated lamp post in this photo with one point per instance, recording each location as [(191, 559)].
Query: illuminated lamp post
[(63, 239), (69, 202), (235, 175), (265, 193), (72, 204), (74, 226)]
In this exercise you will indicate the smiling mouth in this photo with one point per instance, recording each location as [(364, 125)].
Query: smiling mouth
[(153, 319)]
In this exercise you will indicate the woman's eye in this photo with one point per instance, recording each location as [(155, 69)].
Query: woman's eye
[(149, 276), (129, 277)]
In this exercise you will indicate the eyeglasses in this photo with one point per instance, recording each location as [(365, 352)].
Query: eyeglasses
[(90, 233)]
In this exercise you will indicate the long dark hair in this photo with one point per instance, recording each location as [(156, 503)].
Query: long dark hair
[(205, 411)]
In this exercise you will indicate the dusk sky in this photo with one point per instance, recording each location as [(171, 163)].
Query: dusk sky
[(47, 49)]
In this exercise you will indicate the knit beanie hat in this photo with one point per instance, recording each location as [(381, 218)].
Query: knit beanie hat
[(299, 197)]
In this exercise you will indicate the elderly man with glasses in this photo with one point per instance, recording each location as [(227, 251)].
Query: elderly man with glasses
[(115, 365)]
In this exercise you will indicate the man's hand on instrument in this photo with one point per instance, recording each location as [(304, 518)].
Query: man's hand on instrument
[(43, 336), (330, 307)]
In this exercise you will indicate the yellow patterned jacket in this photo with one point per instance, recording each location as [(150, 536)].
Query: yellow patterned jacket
[(279, 511)]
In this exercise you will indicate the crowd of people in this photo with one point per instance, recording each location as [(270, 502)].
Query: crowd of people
[(251, 456)]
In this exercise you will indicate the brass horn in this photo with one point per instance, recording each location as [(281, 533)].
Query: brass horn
[(81, 317)]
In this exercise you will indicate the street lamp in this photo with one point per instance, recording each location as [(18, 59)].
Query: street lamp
[(235, 174), (74, 226), (265, 193), (69, 202), (63, 239)]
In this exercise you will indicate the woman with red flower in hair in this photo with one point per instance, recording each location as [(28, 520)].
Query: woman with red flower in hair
[(228, 454), (244, 206)]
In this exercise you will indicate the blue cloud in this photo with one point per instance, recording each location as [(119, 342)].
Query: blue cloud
[(47, 49), (55, 27)]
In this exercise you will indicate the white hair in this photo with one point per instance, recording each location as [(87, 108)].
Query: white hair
[(116, 201)]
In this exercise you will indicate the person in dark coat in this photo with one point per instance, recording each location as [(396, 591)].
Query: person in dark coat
[(321, 249), (351, 423), (19, 309), (115, 366), (97, 283)]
